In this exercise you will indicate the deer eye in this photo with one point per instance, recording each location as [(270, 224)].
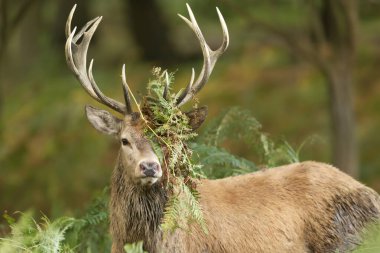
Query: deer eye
[(125, 142)]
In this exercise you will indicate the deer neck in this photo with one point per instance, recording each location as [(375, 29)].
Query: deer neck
[(136, 211)]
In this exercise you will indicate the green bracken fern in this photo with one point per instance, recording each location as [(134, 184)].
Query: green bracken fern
[(169, 131)]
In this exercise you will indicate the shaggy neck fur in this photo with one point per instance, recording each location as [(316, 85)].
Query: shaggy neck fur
[(135, 212)]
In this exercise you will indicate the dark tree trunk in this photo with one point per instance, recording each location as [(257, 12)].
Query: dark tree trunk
[(339, 21), (150, 31), (345, 153)]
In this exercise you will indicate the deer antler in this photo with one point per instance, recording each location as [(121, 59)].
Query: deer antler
[(209, 56), (76, 54), (76, 57)]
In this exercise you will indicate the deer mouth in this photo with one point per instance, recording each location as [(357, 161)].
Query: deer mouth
[(150, 177), (148, 180), (149, 174)]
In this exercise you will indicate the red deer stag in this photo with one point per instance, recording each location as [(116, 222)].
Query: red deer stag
[(301, 207)]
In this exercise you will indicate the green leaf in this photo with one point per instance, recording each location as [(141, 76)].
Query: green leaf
[(136, 247), (218, 163), (10, 220)]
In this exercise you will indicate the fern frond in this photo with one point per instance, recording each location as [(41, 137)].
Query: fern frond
[(171, 220), (191, 197), (51, 235), (183, 209), (217, 162), (64, 234), (232, 123), (90, 232), (239, 124), (29, 236)]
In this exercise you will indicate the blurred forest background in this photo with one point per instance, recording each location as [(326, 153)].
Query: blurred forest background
[(307, 70)]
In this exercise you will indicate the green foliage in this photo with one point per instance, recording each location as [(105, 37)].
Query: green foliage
[(90, 232), (50, 235), (134, 247), (9, 218), (217, 162), (232, 123), (168, 126), (239, 125), (168, 129), (64, 234), (29, 236), (182, 209), (371, 243)]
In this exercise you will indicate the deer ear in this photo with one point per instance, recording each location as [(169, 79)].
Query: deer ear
[(103, 121), (197, 117)]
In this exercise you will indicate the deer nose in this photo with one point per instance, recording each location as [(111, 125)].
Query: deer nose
[(149, 169)]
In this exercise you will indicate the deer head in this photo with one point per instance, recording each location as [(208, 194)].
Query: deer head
[(137, 157)]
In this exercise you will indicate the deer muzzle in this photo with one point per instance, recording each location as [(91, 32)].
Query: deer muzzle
[(150, 172)]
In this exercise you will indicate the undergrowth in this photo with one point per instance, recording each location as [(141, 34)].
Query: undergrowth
[(88, 233), (239, 125)]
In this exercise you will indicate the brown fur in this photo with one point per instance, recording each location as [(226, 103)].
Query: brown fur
[(302, 207), (135, 212)]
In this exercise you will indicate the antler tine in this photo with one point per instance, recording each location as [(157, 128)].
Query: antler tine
[(209, 56), (104, 99), (68, 22), (188, 87), (126, 91), (226, 36), (84, 29), (165, 93), (76, 57)]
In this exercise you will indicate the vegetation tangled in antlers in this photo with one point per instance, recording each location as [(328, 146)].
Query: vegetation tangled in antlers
[(168, 129)]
